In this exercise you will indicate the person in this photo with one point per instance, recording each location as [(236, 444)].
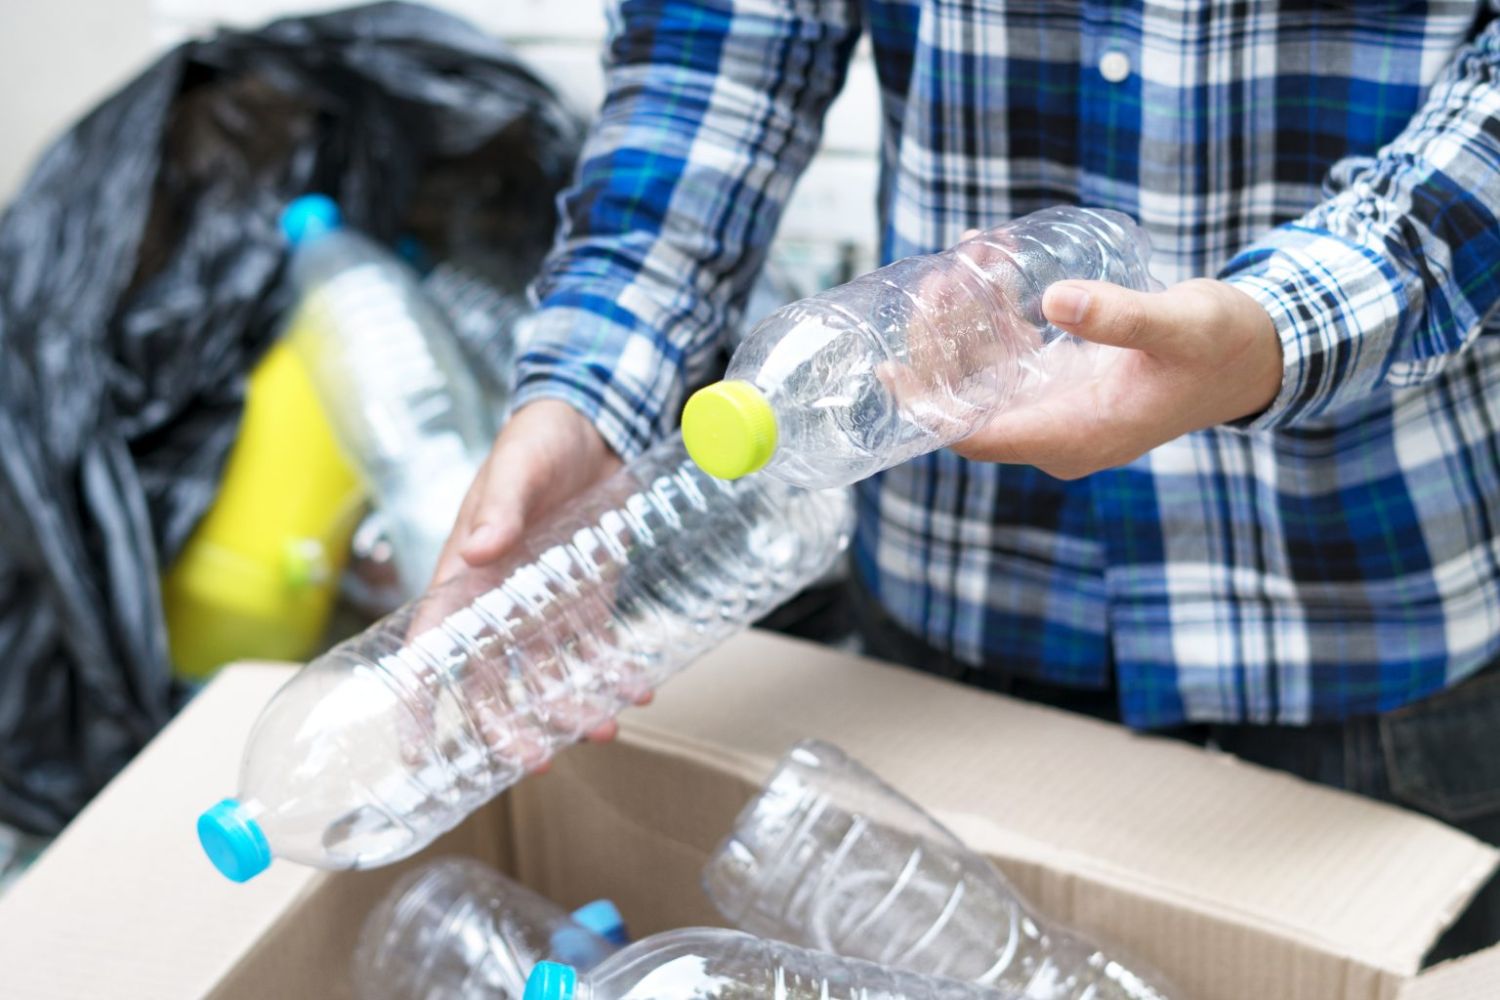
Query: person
[(1272, 523)]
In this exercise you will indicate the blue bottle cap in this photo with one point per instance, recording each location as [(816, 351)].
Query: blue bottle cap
[(308, 216), (551, 981), (575, 946), (233, 841), (414, 252), (603, 918)]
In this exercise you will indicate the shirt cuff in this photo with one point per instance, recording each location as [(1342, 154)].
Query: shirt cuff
[(603, 364), (1338, 306)]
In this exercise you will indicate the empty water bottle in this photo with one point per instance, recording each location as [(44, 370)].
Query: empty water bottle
[(391, 376), (714, 964), (490, 323), (397, 734), (830, 857), (456, 929), (912, 357)]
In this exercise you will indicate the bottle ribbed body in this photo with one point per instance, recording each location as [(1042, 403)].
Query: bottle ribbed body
[(390, 373), (830, 857), (394, 736), (713, 964), (456, 929)]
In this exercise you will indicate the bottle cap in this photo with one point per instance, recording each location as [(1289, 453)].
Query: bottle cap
[(729, 429), (575, 946), (308, 216), (233, 841), (304, 563), (604, 919), (551, 981), (414, 252)]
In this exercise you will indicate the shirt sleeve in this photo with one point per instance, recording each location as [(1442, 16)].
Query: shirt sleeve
[(712, 111), (1399, 269)]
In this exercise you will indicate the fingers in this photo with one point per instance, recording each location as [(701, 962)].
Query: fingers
[(1192, 356), (1077, 427), (609, 730), (449, 560), (491, 517), (547, 453), (1170, 322), (604, 732), (498, 514), (1053, 434), (1100, 312), (1107, 314)]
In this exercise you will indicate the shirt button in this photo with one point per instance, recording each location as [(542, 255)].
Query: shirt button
[(1114, 66)]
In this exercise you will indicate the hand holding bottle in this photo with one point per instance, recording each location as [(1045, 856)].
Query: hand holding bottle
[(546, 454), (1200, 354), (910, 358), (393, 736)]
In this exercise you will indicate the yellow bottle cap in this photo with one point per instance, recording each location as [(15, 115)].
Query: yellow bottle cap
[(729, 429)]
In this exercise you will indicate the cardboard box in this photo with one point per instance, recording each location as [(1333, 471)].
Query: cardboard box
[(1236, 881)]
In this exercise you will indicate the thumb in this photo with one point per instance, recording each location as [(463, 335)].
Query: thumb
[(498, 515), (1106, 313)]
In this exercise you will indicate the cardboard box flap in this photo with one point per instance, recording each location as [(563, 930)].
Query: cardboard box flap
[(1157, 816), (1475, 977), (124, 904), (1241, 882)]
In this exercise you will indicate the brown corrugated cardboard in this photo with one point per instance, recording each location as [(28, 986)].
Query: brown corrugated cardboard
[(1102, 819), (1236, 881), (1476, 977), (118, 907)]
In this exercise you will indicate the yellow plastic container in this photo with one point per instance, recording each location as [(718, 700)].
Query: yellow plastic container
[(258, 578)]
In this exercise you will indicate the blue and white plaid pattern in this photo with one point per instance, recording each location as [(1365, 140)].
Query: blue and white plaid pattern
[(1339, 161)]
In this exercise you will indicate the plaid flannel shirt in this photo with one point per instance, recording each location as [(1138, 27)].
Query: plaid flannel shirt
[(1338, 161)]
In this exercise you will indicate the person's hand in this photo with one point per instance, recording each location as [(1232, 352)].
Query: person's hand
[(1196, 355), (546, 454)]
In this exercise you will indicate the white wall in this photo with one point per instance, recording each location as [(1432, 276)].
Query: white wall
[(58, 58)]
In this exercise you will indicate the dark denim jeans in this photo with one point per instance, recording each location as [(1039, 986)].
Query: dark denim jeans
[(1440, 756)]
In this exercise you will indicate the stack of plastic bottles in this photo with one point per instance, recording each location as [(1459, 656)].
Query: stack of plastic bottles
[(830, 857), (391, 375), (706, 963), (455, 929), (841, 887), (391, 738)]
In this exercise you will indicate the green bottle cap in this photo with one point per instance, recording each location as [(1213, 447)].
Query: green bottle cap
[(729, 429)]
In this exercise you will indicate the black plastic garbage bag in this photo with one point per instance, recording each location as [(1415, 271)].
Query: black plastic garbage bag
[(140, 281)]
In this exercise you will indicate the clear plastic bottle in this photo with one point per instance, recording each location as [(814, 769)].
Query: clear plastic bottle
[(490, 323), (714, 964), (397, 734), (456, 929), (392, 378), (912, 357), (828, 856)]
